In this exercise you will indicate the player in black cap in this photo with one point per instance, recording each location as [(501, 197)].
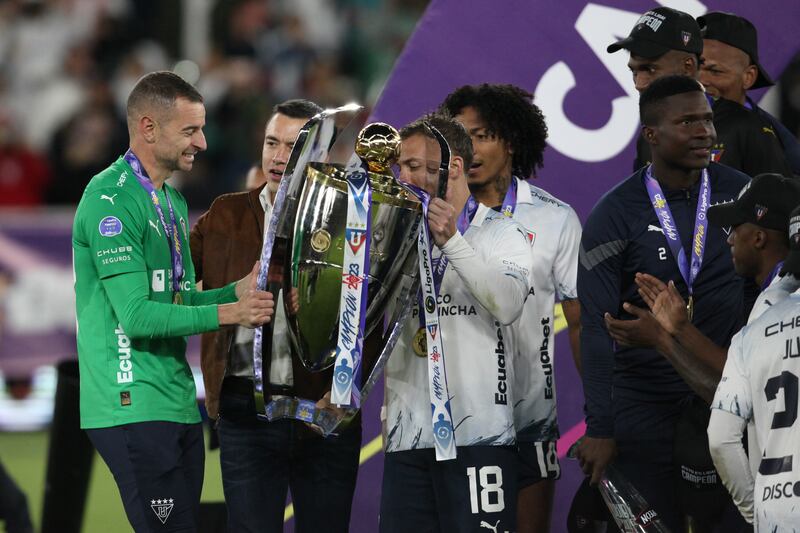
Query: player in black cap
[(665, 42), (759, 389), (731, 67)]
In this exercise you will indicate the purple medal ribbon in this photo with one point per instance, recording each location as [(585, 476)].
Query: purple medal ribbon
[(171, 229), (667, 221), (510, 200), (772, 275)]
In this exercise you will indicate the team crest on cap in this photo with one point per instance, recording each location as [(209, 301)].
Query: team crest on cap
[(761, 211), (686, 37)]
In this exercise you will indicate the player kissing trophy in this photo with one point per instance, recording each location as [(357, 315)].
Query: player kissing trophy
[(341, 248)]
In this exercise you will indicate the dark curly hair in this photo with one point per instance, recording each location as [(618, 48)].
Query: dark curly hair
[(510, 114)]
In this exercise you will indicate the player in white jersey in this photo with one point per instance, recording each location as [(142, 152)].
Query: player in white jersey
[(760, 383), (483, 289), (508, 136)]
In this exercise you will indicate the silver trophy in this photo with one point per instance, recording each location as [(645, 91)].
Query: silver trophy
[(307, 237)]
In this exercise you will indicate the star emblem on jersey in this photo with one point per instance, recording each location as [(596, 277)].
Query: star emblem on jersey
[(162, 508), (109, 198)]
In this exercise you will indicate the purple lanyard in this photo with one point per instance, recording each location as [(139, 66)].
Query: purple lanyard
[(510, 200), (171, 230), (667, 221), (772, 275)]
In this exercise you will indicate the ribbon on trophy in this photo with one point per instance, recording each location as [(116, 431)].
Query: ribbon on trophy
[(667, 221), (170, 230), (353, 300), (270, 232)]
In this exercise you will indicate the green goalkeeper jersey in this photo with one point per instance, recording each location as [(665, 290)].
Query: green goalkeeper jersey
[(131, 337)]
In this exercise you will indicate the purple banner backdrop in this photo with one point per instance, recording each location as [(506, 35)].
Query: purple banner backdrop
[(555, 50)]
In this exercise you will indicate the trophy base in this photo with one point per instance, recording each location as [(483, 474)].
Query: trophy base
[(321, 420)]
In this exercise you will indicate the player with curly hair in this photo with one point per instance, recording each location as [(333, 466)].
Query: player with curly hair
[(509, 136)]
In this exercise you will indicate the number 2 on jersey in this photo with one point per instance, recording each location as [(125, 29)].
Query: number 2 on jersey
[(781, 419), (489, 487)]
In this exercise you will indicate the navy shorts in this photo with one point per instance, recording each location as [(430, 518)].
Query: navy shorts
[(537, 461), (158, 467), (472, 493)]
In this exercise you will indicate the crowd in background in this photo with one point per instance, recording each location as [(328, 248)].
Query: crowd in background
[(67, 66)]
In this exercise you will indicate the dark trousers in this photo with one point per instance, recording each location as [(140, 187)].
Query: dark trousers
[(469, 494), (13, 505), (158, 467), (261, 460)]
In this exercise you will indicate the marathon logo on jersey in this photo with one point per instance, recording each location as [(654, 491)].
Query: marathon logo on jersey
[(162, 508), (446, 307), (781, 491), (110, 227), (501, 396), (652, 20), (545, 359), (162, 280), (125, 373)]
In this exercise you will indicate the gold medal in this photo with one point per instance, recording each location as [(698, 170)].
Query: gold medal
[(690, 308), (177, 299), (420, 343)]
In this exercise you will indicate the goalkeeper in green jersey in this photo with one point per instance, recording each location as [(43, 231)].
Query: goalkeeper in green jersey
[(136, 304)]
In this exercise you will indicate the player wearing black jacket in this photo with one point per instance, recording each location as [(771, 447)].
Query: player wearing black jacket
[(633, 394)]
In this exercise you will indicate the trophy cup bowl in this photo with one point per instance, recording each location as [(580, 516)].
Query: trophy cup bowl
[(314, 258)]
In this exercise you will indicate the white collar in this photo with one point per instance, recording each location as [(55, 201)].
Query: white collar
[(264, 198)]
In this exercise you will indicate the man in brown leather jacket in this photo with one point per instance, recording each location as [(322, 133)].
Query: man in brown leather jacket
[(259, 459)]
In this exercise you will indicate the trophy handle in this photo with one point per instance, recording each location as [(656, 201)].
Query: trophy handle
[(444, 165)]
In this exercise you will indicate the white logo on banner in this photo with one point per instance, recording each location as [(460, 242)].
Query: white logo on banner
[(599, 26)]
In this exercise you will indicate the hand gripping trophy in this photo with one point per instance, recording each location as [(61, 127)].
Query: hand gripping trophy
[(341, 246)]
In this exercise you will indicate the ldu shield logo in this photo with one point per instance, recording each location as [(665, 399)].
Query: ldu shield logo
[(355, 238), (162, 508)]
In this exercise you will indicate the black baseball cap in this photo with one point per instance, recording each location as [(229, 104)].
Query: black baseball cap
[(766, 201), (738, 32), (792, 263), (660, 30)]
